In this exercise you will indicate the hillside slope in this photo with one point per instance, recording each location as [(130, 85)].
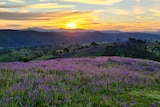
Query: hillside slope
[(87, 82)]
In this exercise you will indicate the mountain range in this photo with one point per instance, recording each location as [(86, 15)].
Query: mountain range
[(32, 37)]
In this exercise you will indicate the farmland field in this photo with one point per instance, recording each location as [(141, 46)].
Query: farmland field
[(80, 82)]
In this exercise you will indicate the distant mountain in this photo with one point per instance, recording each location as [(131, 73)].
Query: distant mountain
[(81, 30), (156, 32), (111, 31), (57, 30), (69, 30), (43, 30), (25, 38), (37, 29)]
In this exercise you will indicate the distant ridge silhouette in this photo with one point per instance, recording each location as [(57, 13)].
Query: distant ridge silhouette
[(25, 38)]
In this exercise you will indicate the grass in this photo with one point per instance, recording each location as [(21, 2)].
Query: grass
[(45, 57), (37, 87)]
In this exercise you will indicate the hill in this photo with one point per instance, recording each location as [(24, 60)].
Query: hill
[(134, 48), (22, 38), (96, 81)]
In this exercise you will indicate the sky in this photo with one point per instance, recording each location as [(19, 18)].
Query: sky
[(123, 15)]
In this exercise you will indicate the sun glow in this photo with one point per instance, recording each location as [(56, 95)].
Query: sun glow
[(71, 25)]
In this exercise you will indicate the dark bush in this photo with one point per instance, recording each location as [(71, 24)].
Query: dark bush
[(25, 59), (93, 43), (132, 40), (66, 50)]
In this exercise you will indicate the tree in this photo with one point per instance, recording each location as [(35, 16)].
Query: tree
[(93, 44), (133, 40), (66, 50), (25, 59)]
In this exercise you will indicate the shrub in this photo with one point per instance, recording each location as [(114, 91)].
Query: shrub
[(66, 50), (25, 59), (93, 43)]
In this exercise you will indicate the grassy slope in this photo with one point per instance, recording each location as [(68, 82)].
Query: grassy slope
[(148, 50), (86, 52), (81, 82)]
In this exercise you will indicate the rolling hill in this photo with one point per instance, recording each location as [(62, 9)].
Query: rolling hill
[(22, 38)]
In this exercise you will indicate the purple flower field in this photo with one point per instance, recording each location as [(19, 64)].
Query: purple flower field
[(81, 82)]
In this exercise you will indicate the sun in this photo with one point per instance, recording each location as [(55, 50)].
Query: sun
[(71, 25)]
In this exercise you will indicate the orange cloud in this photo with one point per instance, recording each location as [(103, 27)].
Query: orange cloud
[(137, 26), (52, 19), (79, 17), (83, 19)]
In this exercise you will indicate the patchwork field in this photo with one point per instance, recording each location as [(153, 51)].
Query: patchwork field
[(81, 82)]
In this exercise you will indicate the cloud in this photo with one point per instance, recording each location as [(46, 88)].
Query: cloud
[(12, 6), (155, 11), (4, 10), (143, 17), (84, 19), (143, 26), (99, 2), (43, 0), (18, 16), (17, 1), (139, 10), (133, 11), (124, 15), (39, 6), (136, 26), (23, 11), (48, 5), (120, 12), (2, 3), (13, 25), (24, 15)]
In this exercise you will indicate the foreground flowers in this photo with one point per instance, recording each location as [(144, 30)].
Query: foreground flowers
[(86, 82)]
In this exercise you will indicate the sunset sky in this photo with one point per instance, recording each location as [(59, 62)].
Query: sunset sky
[(124, 15)]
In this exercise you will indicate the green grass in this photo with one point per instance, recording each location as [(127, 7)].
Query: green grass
[(75, 90), (45, 57)]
